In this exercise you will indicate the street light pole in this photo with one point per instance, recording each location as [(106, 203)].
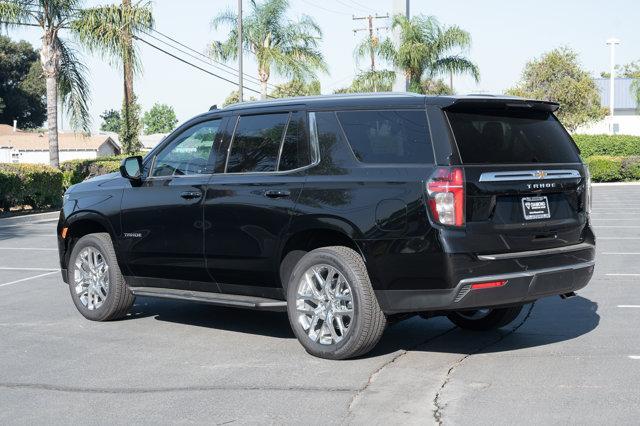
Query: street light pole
[(612, 42), (240, 83)]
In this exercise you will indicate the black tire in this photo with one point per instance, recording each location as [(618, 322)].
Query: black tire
[(368, 322), (496, 318), (119, 298)]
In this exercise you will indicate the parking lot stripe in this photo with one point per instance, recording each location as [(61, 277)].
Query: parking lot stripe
[(623, 275), (634, 356), (613, 252), (29, 278), (11, 234), (28, 248), (11, 268), (618, 238), (628, 306)]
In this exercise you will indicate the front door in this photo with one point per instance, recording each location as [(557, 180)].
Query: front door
[(162, 219)]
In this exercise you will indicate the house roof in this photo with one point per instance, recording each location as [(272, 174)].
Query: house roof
[(32, 141)]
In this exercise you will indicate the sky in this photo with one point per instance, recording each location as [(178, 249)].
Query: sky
[(506, 34)]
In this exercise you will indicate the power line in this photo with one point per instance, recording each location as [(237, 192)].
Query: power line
[(232, 72), (209, 59), (193, 65), (325, 9)]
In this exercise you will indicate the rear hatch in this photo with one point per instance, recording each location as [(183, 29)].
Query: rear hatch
[(525, 185)]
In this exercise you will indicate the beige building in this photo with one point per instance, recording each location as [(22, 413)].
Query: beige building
[(33, 147)]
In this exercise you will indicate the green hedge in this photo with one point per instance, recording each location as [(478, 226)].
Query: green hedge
[(613, 145), (35, 185), (605, 168), (75, 171)]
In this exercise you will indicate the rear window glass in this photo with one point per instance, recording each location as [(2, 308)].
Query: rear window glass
[(388, 136), (256, 143), (511, 137)]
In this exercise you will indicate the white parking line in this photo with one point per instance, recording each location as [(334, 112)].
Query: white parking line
[(29, 278), (623, 275), (25, 235), (611, 252), (634, 356), (618, 238), (28, 248), (628, 306), (10, 268), (614, 226)]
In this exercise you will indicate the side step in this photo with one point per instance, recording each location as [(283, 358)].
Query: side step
[(220, 299)]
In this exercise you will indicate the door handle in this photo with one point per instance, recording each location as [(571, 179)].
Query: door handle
[(191, 195), (277, 193)]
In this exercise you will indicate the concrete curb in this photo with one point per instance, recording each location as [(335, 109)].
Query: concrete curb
[(30, 218), (616, 184)]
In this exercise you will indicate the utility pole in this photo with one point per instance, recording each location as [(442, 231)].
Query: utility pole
[(612, 43), (240, 83), (372, 38)]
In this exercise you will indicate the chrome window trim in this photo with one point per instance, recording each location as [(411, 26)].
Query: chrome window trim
[(518, 175), (531, 253)]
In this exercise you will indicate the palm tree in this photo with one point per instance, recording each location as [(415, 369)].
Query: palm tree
[(64, 73), (372, 80), (109, 30), (427, 49), (290, 48)]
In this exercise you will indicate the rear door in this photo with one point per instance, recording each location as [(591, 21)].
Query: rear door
[(525, 182), (248, 208)]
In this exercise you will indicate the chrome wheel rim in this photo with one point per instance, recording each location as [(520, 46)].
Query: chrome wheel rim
[(324, 304), (91, 278), (476, 314)]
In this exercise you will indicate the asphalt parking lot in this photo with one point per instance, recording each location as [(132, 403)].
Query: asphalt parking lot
[(562, 361)]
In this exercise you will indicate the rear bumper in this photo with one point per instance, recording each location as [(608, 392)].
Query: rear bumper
[(521, 287)]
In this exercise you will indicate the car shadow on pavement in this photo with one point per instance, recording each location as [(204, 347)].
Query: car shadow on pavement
[(551, 320)]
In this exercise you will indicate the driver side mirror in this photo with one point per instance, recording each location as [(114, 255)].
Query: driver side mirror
[(131, 168)]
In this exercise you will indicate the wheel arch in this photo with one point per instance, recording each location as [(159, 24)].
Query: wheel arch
[(312, 234), (83, 223)]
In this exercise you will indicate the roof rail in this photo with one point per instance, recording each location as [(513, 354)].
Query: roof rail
[(213, 107)]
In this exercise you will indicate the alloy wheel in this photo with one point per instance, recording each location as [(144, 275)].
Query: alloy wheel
[(324, 304), (91, 278)]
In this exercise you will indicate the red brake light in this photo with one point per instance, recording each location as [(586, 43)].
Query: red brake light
[(490, 284), (446, 196)]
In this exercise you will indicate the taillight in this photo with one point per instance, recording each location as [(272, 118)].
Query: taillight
[(446, 196), (489, 284)]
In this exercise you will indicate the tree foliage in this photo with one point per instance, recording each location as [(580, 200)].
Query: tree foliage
[(558, 77), (296, 88), (22, 88), (427, 49), (161, 118), (234, 98), (435, 87), (290, 48), (371, 81), (630, 70), (111, 121)]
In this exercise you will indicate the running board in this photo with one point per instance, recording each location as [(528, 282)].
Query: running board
[(219, 299)]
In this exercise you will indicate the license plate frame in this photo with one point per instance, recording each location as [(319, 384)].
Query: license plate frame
[(534, 208)]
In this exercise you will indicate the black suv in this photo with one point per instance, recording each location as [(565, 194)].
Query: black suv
[(345, 211)]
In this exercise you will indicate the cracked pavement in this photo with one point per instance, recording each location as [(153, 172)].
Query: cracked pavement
[(562, 361)]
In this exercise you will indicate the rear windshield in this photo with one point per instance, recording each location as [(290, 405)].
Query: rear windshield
[(511, 137), (388, 136)]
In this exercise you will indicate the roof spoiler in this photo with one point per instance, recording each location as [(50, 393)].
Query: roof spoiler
[(502, 103)]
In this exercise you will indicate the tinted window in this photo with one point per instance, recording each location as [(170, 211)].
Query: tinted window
[(511, 137), (388, 136), (295, 148), (256, 143), (189, 153)]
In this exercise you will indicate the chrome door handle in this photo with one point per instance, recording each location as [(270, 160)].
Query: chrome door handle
[(191, 195)]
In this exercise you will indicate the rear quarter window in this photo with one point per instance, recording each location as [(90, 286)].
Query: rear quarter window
[(388, 136), (511, 137)]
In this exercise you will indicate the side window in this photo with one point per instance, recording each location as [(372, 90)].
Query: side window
[(256, 143), (189, 153), (296, 151), (388, 136)]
